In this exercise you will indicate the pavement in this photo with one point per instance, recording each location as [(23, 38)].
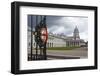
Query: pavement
[(77, 53), (68, 54)]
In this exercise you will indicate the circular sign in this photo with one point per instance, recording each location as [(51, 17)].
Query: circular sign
[(44, 34)]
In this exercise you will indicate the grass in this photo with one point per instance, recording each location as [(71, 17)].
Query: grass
[(62, 48)]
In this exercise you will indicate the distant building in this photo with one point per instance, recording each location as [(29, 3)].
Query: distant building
[(64, 41), (55, 40)]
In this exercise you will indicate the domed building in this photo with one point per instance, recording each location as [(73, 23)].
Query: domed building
[(65, 41), (76, 34), (55, 40)]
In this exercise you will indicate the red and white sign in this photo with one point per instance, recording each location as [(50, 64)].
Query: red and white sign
[(44, 34)]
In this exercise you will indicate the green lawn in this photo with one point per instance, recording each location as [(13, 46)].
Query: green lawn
[(62, 48)]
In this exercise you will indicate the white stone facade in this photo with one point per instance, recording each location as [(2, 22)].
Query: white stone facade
[(60, 41)]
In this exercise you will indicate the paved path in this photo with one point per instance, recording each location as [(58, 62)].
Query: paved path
[(75, 53), (67, 54)]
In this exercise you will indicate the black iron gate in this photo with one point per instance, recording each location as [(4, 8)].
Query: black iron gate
[(41, 37)]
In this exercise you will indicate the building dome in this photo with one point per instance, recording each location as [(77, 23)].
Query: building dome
[(76, 34), (76, 30)]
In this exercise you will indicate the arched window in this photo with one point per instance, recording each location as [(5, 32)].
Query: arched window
[(48, 44), (67, 43), (74, 43), (78, 43)]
